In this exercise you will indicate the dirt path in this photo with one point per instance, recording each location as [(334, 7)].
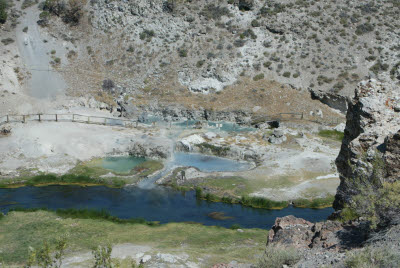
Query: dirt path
[(45, 82)]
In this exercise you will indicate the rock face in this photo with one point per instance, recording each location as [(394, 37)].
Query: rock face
[(370, 150), (333, 100), (302, 234)]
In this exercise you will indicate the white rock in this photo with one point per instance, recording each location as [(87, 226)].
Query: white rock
[(340, 127), (192, 140), (167, 257), (146, 258), (210, 135)]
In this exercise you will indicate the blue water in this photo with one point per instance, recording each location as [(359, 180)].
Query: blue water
[(158, 204), (209, 163), (226, 126), (123, 164)]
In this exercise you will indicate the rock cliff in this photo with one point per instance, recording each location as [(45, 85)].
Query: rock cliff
[(371, 144)]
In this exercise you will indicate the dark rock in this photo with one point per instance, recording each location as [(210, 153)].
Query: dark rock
[(108, 86), (295, 232), (392, 157), (333, 100), (245, 5)]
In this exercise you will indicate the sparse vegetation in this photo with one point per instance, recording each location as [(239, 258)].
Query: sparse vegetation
[(211, 11), (147, 35), (315, 202), (258, 77), (7, 41), (33, 227), (373, 258), (215, 150), (70, 11), (3, 11), (277, 257)]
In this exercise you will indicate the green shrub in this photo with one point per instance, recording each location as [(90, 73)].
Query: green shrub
[(27, 3), (286, 74), (315, 202), (182, 52), (379, 67), (373, 258), (260, 202), (211, 11), (278, 257), (364, 28), (147, 34), (7, 41), (338, 86), (267, 64), (44, 15), (258, 77), (3, 12), (255, 23), (199, 192), (200, 63), (235, 226)]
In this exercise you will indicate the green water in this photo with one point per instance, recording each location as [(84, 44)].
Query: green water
[(121, 164)]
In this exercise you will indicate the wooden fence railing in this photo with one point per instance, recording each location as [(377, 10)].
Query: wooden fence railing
[(88, 119), (109, 121)]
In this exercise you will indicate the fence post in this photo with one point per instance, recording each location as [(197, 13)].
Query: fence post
[(88, 119), (23, 119), (73, 117), (56, 117), (302, 115), (8, 119), (39, 118)]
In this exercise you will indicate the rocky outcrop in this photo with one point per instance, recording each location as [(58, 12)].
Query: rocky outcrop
[(295, 232), (179, 113), (392, 156), (277, 137), (333, 100), (370, 148)]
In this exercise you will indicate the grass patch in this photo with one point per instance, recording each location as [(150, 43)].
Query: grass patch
[(67, 179), (237, 190), (314, 202), (260, 202), (215, 150), (147, 168), (91, 214), (19, 230), (332, 134)]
